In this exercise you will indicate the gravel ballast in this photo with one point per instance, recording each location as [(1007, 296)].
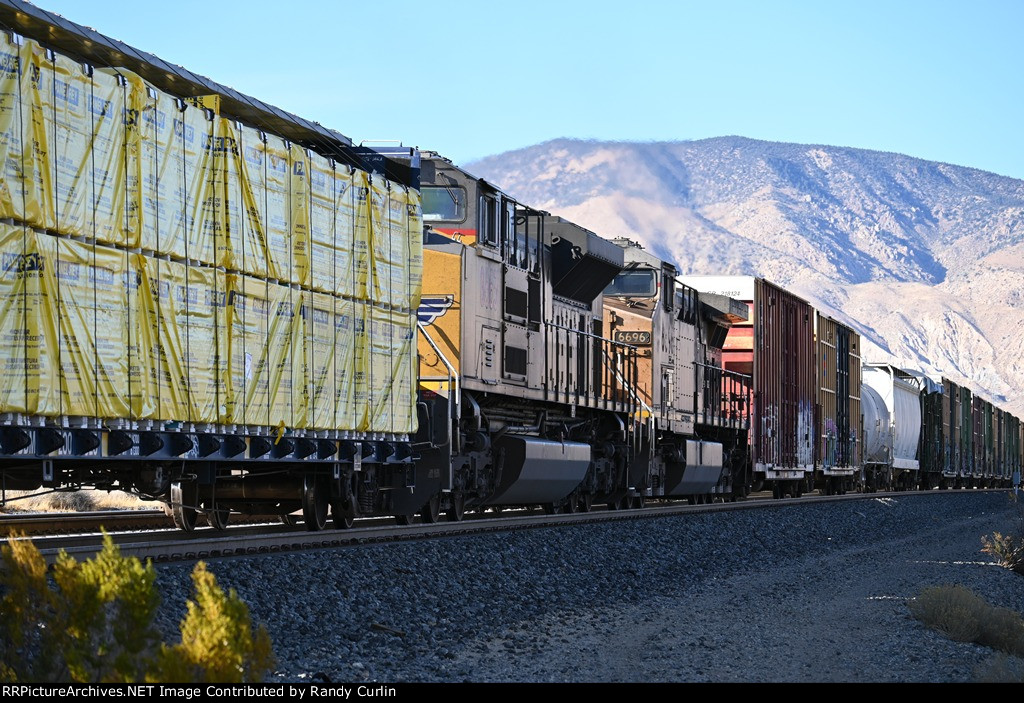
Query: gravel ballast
[(795, 593)]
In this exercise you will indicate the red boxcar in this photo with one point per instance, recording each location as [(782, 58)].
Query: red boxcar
[(776, 347)]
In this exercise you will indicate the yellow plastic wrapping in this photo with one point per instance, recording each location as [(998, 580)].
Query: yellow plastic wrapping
[(264, 328), (143, 393), (19, 264), (346, 356), (322, 376), (155, 169), (185, 306), (380, 278), (37, 136), (390, 246), (175, 165), (415, 239), (283, 335), (390, 372), (108, 158), (67, 123), (210, 102), (18, 195), (85, 298), (361, 284), (299, 356), (248, 319), (241, 183), (193, 231), (277, 217), (324, 240), (298, 164), (360, 379)]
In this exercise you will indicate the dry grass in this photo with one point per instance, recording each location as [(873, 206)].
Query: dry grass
[(964, 616), (74, 501)]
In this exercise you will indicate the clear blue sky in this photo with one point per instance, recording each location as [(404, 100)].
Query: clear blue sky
[(929, 78)]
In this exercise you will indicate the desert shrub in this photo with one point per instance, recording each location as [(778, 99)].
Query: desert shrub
[(964, 616), (954, 611), (93, 621), (1008, 549)]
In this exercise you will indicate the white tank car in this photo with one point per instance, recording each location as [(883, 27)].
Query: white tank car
[(890, 402)]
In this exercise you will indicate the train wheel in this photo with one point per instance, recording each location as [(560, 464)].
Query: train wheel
[(216, 517), (184, 497), (777, 491), (572, 504), (342, 514), (289, 519), (637, 502), (314, 503), (457, 511), (431, 512), (586, 502)]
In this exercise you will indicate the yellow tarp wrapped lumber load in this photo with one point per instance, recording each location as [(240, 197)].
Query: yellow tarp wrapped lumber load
[(349, 316), (414, 204), (26, 184), (186, 310), (266, 344), (241, 185), (19, 262), (129, 207), (390, 371), (63, 324)]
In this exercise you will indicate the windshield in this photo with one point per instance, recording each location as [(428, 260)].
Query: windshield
[(447, 204), (633, 283)]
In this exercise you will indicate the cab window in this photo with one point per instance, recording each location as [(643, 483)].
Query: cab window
[(444, 203), (633, 283)]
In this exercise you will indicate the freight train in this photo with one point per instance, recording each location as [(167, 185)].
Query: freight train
[(212, 302)]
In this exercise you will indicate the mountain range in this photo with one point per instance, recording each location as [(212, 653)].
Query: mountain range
[(924, 259)]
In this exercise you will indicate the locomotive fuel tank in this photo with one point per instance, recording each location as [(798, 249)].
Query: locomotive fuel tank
[(538, 471)]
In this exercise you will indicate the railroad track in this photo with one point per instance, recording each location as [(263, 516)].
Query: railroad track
[(171, 545), (93, 521)]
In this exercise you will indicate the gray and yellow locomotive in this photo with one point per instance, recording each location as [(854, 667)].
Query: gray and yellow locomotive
[(561, 369)]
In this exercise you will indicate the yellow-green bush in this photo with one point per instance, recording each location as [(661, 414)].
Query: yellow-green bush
[(92, 621)]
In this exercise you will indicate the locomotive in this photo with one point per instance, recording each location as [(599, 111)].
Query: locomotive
[(561, 369)]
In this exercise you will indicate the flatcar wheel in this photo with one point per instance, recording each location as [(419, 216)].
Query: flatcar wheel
[(342, 514), (431, 512), (216, 516), (314, 503), (457, 511), (184, 497)]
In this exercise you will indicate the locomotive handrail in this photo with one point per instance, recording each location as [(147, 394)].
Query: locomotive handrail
[(453, 382)]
